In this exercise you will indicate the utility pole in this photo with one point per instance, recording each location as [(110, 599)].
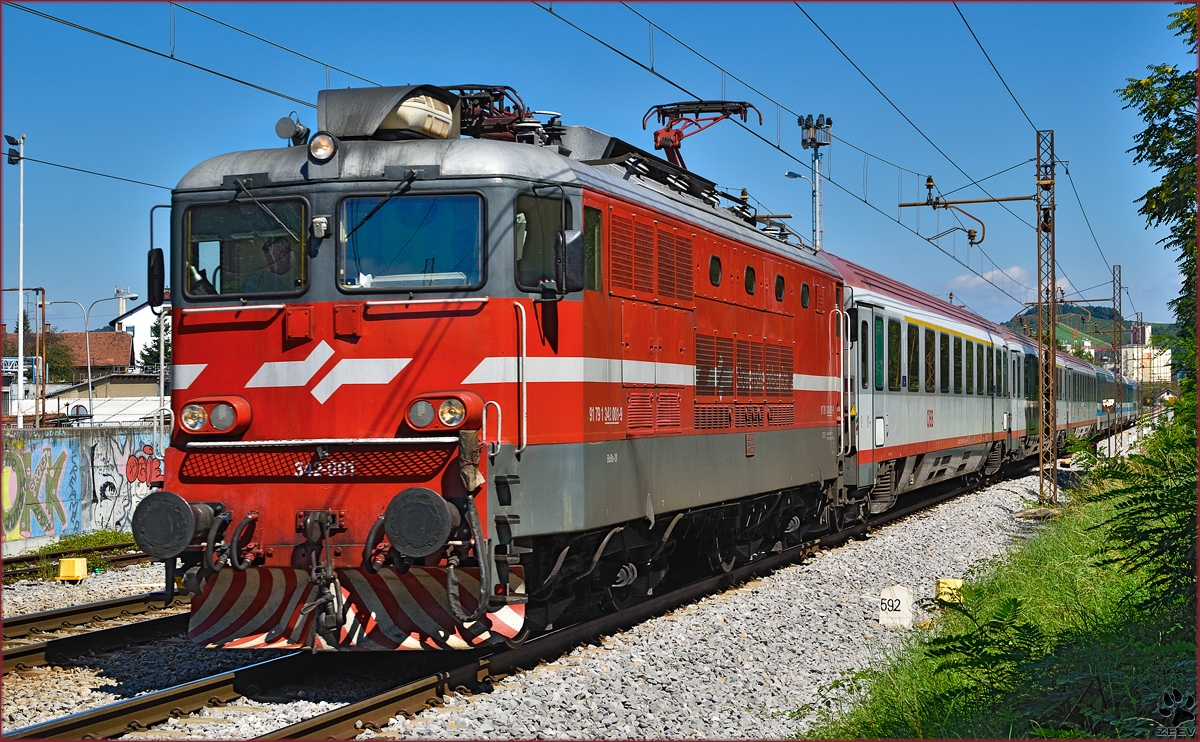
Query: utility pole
[(1047, 322), (814, 135), (1118, 350), (20, 282)]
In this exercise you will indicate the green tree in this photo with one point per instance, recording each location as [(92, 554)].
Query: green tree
[(1166, 100), (149, 354)]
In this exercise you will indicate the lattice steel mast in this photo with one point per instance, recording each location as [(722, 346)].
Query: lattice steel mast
[(1047, 323)]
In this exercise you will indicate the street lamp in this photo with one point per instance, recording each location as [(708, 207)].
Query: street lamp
[(791, 174), (87, 338), (17, 157)]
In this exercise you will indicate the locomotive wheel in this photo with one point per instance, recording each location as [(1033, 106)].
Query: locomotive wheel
[(718, 564), (520, 638)]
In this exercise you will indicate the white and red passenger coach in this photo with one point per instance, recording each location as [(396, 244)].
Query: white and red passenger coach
[(444, 371)]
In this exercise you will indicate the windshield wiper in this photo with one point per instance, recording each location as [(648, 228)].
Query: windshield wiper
[(242, 184), (402, 186)]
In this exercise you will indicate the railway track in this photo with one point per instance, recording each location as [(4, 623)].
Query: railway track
[(31, 654), (30, 564), (411, 696), (16, 627)]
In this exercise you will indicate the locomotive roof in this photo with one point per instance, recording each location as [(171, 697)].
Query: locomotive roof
[(468, 158)]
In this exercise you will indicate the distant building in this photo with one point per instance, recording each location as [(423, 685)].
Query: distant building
[(138, 322)]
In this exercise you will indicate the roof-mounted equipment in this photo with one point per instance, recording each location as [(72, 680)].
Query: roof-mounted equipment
[(696, 115), (408, 112)]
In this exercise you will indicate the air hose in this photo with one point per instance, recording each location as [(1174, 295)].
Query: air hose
[(485, 573), (235, 560)]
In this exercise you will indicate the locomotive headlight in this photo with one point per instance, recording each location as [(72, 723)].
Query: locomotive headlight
[(222, 417), (451, 412), (322, 147), (420, 414), (193, 417)]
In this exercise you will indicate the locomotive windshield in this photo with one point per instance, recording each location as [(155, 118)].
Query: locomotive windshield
[(411, 242), (245, 248)]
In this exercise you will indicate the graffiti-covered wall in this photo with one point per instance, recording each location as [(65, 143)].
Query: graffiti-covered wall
[(59, 482)]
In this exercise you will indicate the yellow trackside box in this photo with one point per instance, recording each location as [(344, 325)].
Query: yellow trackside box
[(948, 590), (72, 570)]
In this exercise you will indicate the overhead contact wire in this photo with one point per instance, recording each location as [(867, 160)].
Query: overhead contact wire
[(302, 55), (783, 151), (993, 64), (93, 172), (156, 53)]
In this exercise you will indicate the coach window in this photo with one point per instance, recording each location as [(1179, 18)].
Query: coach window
[(979, 369), (930, 361), (914, 358), (1004, 373), (804, 299), (536, 224), (893, 356), (751, 281), (879, 353), (714, 270), (992, 359), (865, 367), (944, 358), (593, 248), (958, 365), (970, 367), (778, 287)]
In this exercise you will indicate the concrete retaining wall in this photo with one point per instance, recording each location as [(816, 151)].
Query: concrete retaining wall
[(73, 480)]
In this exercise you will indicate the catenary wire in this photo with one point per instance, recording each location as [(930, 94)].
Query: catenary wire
[(753, 89), (93, 172), (1026, 115), (274, 44), (915, 127), (788, 154), (148, 50), (993, 175), (993, 64)]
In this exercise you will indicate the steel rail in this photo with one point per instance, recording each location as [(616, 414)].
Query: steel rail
[(372, 713), (113, 560), (35, 558), (77, 615), (35, 654), (140, 712)]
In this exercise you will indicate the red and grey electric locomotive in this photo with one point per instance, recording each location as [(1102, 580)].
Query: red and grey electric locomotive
[(443, 370)]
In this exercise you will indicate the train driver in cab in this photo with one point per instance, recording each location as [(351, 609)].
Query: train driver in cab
[(278, 275)]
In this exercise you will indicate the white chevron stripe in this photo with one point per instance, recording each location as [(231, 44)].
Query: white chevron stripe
[(183, 374), (358, 371), (291, 373)]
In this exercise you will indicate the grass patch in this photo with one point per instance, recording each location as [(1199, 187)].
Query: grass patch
[(47, 567), (1079, 632)]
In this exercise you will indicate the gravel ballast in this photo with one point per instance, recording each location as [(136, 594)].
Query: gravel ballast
[(30, 596), (728, 666)]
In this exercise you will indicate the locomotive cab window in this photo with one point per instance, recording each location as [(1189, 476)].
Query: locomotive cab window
[(410, 243), (779, 287), (804, 296), (714, 270), (751, 282), (535, 225), (239, 249)]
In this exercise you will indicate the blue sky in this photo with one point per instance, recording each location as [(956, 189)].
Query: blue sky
[(91, 103)]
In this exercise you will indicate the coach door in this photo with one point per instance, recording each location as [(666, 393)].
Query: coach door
[(872, 425)]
